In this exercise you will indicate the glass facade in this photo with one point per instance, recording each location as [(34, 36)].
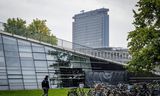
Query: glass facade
[(24, 64), (91, 29)]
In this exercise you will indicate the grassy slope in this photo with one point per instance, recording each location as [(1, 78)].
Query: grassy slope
[(52, 92)]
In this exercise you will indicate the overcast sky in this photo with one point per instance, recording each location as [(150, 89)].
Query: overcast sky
[(59, 13)]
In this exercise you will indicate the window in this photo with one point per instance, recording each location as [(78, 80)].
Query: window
[(25, 54), (38, 49), (27, 63), (40, 63), (39, 56), (10, 47), (9, 40), (25, 49), (23, 43), (12, 61), (2, 62), (11, 54)]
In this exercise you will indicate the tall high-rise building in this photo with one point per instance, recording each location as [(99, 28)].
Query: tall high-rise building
[(91, 28)]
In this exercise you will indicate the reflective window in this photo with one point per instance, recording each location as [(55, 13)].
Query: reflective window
[(24, 43), (0, 39), (14, 71), (25, 54), (14, 76), (1, 47), (40, 63), (3, 82), (10, 47), (2, 62), (25, 49), (38, 45), (12, 61), (1, 53), (47, 49), (39, 56), (9, 40), (38, 49), (29, 76), (30, 87), (3, 77), (26, 58), (27, 63), (50, 57), (11, 54), (4, 87), (28, 72), (13, 87)]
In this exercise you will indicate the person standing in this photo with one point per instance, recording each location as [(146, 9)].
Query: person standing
[(45, 86)]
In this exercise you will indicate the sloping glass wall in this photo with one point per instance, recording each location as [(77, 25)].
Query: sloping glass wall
[(24, 63)]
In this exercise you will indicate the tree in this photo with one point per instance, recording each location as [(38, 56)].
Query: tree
[(144, 41), (39, 30), (15, 26), (39, 26)]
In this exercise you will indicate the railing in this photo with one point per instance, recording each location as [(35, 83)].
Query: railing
[(64, 44)]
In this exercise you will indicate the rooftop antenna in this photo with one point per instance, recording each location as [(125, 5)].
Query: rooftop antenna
[(82, 11)]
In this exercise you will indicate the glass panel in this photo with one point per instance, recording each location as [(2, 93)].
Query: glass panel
[(14, 71), (10, 47), (27, 63), (50, 57), (12, 61), (29, 76), (39, 56), (1, 53), (3, 77), (40, 63), (25, 54), (47, 49), (38, 49), (2, 62), (0, 39), (1, 47), (15, 76), (25, 48), (24, 43), (11, 54), (3, 82), (13, 87), (3, 87), (9, 40), (28, 72), (34, 44), (15, 82), (26, 58), (30, 87)]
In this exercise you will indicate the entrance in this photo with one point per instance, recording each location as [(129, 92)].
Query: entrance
[(71, 77)]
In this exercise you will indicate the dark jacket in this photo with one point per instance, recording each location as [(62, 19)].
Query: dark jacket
[(45, 84)]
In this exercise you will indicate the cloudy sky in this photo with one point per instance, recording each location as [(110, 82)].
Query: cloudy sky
[(59, 13)]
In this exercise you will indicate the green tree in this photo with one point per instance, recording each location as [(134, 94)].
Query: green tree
[(144, 41), (39, 30), (15, 26), (39, 26)]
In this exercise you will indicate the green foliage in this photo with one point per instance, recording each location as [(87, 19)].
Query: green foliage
[(39, 26), (37, 29), (15, 26), (144, 41)]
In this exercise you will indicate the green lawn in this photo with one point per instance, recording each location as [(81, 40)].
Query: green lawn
[(52, 92)]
